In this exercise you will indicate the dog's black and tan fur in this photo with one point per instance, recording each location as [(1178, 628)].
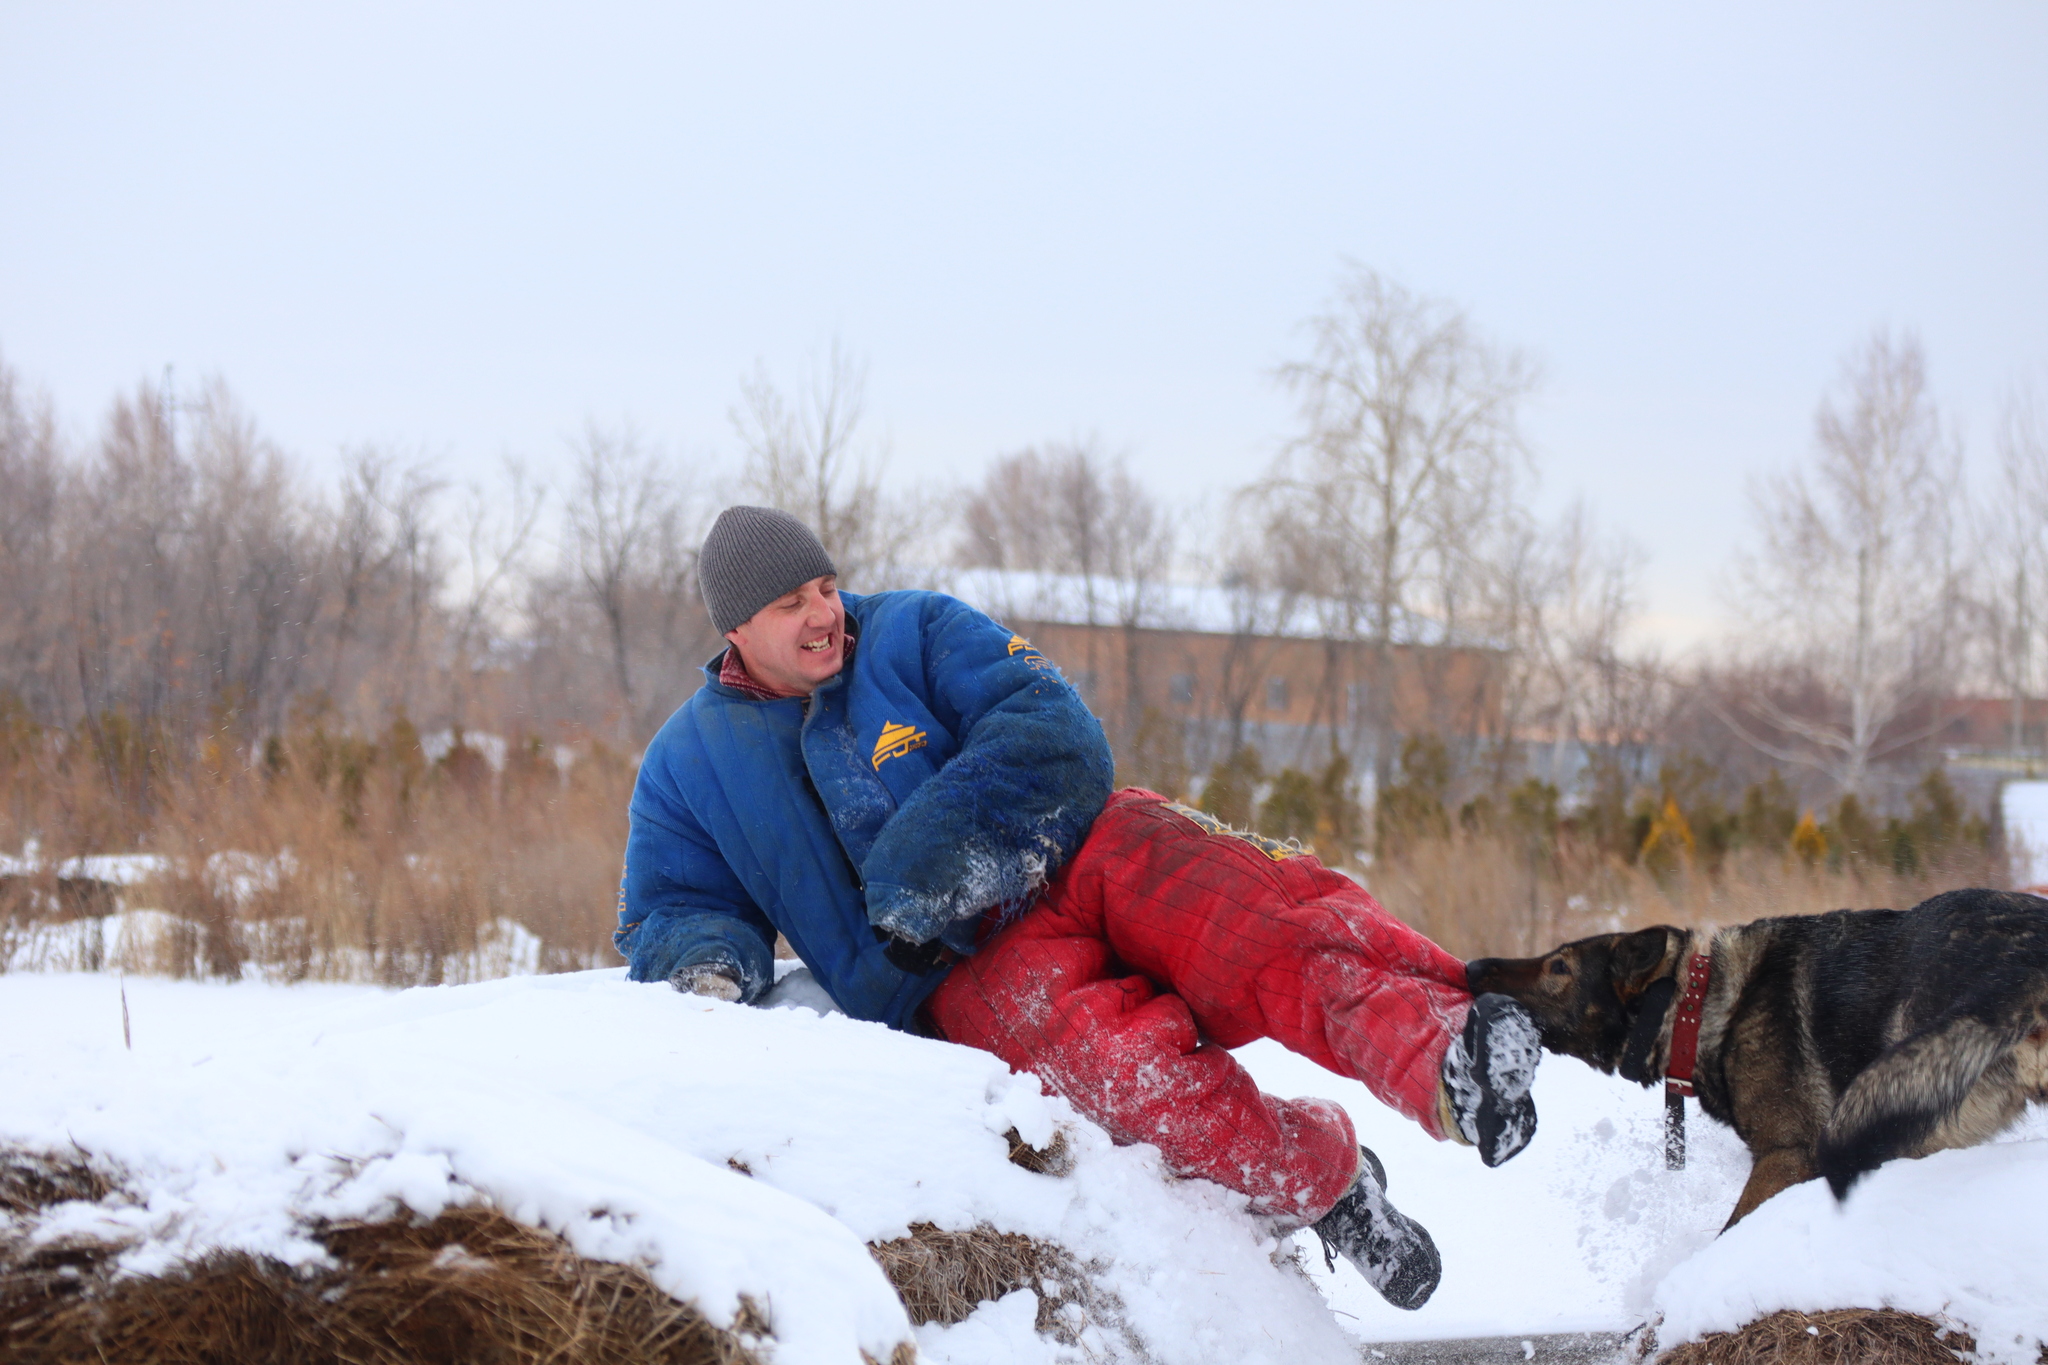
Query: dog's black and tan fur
[(1830, 1043)]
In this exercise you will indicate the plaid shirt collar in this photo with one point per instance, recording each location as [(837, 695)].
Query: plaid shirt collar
[(733, 673)]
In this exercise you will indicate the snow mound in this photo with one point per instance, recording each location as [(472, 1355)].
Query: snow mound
[(1955, 1237), (1587, 1231), (623, 1117)]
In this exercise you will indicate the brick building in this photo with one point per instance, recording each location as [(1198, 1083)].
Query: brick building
[(1205, 668)]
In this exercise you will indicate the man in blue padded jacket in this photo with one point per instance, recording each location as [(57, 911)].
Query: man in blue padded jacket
[(914, 797)]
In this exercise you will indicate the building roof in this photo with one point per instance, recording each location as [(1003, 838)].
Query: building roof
[(1213, 608)]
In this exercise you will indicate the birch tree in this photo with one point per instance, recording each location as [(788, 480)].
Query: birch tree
[(1408, 439), (1853, 576), (2015, 540), (805, 455)]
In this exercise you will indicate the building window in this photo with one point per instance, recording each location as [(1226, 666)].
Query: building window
[(1183, 689), (1276, 694)]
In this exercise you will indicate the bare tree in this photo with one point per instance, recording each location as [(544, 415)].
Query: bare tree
[(31, 585), (621, 498), (1408, 439), (497, 533), (133, 505), (1574, 591), (1069, 509), (381, 553), (803, 456), (252, 593), (2014, 537), (1264, 568), (1002, 521), (1853, 576)]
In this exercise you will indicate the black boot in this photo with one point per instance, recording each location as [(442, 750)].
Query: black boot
[(1392, 1250), (1487, 1074)]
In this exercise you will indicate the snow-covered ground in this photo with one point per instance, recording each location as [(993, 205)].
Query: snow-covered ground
[(146, 940), (621, 1114), (2023, 806)]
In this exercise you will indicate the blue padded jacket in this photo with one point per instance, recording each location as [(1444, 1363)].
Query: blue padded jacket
[(945, 773)]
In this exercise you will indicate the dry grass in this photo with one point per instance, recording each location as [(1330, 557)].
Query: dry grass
[(944, 1276), (470, 1285), (1841, 1336), (30, 1181), (351, 862), (1056, 1158), (380, 865), (1483, 896)]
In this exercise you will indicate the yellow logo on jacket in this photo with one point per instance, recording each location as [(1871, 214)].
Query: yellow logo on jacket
[(896, 741), (1032, 658)]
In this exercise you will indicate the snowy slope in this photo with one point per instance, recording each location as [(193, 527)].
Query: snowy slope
[(610, 1112), (242, 1107), (1586, 1229), (1571, 1235)]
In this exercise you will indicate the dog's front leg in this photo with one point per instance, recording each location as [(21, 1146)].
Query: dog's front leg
[(1779, 1168)]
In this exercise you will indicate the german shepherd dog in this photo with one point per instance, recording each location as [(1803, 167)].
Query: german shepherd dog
[(1830, 1043)]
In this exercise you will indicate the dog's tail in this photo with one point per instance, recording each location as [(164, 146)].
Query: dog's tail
[(1913, 1087)]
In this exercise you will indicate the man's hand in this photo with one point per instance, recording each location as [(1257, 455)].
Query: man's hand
[(707, 979), (919, 959)]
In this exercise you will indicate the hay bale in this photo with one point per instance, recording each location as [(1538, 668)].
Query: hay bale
[(1841, 1336), (470, 1285)]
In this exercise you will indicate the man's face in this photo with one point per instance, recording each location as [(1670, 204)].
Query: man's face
[(798, 640)]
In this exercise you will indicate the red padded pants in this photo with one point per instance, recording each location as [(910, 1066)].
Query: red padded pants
[(1164, 943)]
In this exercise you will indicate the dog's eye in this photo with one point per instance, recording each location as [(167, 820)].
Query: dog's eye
[(1559, 967)]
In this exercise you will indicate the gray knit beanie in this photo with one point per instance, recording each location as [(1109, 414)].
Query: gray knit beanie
[(753, 556)]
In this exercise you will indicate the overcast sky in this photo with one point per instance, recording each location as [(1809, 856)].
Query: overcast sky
[(465, 230)]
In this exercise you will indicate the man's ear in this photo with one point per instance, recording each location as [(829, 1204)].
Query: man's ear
[(1640, 958)]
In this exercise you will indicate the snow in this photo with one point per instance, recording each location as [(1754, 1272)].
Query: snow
[(2024, 807), (1572, 1235), (239, 876), (143, 940), (116, 869), (620, 1114), (493, 749)]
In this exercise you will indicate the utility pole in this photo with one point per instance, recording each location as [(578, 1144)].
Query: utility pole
[(167, 409)]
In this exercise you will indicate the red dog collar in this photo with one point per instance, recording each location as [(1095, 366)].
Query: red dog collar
[(1685, 1026)]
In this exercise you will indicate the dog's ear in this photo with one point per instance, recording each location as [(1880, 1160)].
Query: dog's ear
[(1640, 958)]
